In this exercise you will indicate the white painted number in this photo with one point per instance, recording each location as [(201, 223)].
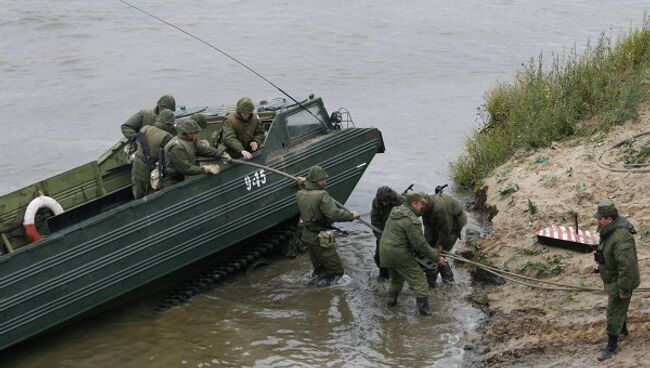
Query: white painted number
[(255, 180)]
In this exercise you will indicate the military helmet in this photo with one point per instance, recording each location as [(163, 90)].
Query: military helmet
[(386, 194), (200, 119), (165, 102), (189, 126), (166, 117), (245, 104), (606, 209), (317, 173)]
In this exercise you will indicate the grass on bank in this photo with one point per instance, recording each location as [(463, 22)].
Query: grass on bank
[(606, 83)]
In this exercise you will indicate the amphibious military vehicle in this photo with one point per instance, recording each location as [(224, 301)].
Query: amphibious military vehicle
[(78, 240)]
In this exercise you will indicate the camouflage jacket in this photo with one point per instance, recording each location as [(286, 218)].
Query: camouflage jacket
[(136, 122), (443, 221), (318, 211), (621, 267), (180, 157), (238, 134), (402, 238)]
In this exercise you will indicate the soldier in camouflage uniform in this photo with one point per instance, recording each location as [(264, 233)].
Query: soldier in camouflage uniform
[(181, 152), (317, 213), (243, 132), (155, 136), (401, 239), (146, 117), (382, 204), (619, 268), (443, 221)]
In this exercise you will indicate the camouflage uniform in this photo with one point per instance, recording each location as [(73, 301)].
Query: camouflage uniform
[(239, 133), (619, 270), (146, 117), (378, 216), (443, 221), (156, 136), (401, 239), (181, 152), (317, 213)]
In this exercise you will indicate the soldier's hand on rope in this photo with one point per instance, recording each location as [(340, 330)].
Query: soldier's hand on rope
[(211, 169), (355, 215), (225, 157), (247, 155)]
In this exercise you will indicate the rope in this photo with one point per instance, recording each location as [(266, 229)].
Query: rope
[(506, 275), (631, 168)]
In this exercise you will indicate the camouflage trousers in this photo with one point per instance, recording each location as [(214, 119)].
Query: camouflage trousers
[(140, 177), (413, 275), (326, 261), (616, 309)]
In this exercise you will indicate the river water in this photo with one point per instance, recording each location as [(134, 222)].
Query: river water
[(73, 71)]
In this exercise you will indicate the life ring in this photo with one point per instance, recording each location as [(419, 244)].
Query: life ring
[(30, 214)]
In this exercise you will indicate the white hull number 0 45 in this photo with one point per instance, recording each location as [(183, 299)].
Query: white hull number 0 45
[(255, 180)]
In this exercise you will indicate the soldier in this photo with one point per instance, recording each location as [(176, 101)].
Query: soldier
[(181, 151), (242, 130), (443, 221), (146, 117), (151, 137), (317, 213), (384, 201), (401, 239), (619, 268)]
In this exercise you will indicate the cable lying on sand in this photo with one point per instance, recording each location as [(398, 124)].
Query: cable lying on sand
[(506, 275)]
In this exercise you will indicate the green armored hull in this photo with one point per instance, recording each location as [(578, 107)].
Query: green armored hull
[(106, 244)]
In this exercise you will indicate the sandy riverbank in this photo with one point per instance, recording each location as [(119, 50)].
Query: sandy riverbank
[(533, 327)]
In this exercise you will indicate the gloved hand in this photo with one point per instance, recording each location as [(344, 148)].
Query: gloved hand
[(211, 169), (356, 214), (247, 155), (225, 157)]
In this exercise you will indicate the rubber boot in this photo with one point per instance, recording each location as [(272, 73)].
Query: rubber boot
[(392, 299), (423, 306), (447, 274), (610, 349), (624, 331)]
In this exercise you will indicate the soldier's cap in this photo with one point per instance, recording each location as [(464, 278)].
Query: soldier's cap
[(606, 209), (165, 117), (165, 102), (200, 119), (189, 126), (316, 173), (245, 104), (416, 197)]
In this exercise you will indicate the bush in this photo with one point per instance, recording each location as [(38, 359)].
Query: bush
[(543, 105)]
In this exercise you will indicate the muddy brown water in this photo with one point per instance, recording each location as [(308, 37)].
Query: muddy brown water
[(73, 71)]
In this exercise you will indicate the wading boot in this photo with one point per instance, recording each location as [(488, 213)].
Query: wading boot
[(423, 306), (611, 349), (392, 299)]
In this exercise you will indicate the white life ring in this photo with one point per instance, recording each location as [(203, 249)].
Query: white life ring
[(30, 213)]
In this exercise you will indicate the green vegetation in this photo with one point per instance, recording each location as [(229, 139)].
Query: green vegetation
[(551, 265), (605, 85)]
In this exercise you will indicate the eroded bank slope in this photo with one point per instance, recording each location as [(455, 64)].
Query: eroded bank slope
[(533, 327)]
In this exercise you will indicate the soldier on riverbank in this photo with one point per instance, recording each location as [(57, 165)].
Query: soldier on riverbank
[(401, 239), (443, 220), (619, 269), (317, 213)]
